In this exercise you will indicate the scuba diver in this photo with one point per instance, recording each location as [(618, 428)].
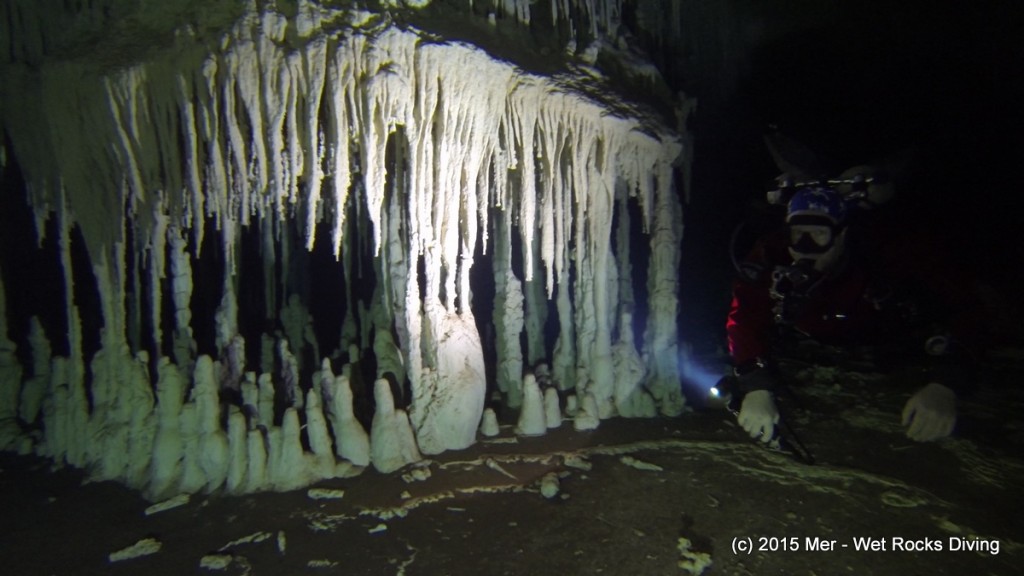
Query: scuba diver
[(840, 274)]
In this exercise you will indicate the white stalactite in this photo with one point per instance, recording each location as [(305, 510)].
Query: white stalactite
[(269, 258), (195, 208), (602, 17)]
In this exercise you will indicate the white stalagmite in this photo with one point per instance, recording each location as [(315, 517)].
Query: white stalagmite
[(108, 444), (141, 423), (283, 119), (587, 418), (351, 441), (631, 398), (121, 395), (489, 425), (552, 408), (572, 405), (122, 402), (213, 441), (532, 420), (250, 398), (256, 460), (167, 466), (55, 409), (288, 467), (265, 404), (289, 374), (446, 413), (238, 446), (410, 452), (33, 391), (324, 374), (391, 443), (232, 365), (277, 473), (192, 478), (321, 461)]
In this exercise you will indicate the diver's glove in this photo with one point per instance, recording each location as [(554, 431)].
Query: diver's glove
[(759, 415), (930, 414)]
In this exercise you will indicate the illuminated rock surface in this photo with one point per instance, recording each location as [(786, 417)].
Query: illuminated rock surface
[(191, 186)]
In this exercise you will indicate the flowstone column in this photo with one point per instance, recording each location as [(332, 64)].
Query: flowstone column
[(601, 301), (121, 423), (508, 315), (536, 319), (33, 390), (181, 274), (660, 340), (564, 361), (448, 398)]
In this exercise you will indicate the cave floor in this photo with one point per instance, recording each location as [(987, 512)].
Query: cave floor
[(481, 511)]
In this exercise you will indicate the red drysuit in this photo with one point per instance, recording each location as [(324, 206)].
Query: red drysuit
[(890, 292)]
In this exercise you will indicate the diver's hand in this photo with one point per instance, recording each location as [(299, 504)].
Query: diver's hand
[(930, 414), (759, 415)]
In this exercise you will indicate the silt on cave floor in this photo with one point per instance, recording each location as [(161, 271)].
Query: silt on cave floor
[(627, 493)]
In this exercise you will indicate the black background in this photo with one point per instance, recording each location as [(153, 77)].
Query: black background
[(939, 85)]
